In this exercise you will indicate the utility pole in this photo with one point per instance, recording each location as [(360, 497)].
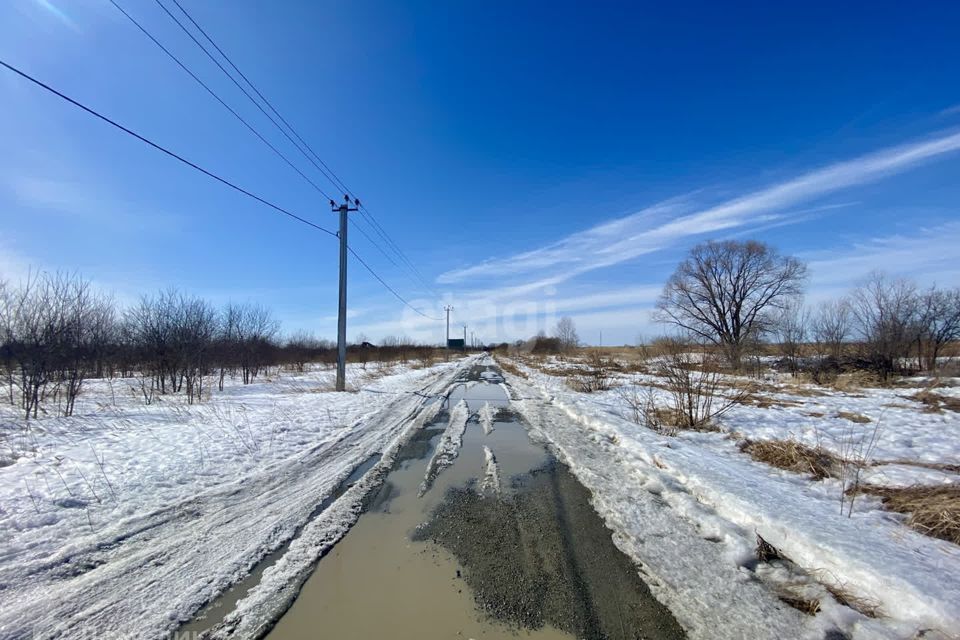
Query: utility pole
[(343, 210), (446, 347), (448, 309), (464, 337)]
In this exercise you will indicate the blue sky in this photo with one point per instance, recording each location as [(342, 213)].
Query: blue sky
[(532, 162)]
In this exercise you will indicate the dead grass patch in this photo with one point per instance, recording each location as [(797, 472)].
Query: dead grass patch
[(510, 367), (867, 606), (933, 511), (791, 455), (853, 417), (806, 600), (765, 402), (938, 466), (935, 402), (855, 381)]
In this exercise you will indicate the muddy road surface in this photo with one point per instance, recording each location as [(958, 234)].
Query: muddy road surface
[(476, 532)]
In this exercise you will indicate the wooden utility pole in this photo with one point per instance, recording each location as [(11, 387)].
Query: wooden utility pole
[(343, 210)]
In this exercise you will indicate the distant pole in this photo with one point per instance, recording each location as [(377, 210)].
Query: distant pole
[(343, 210), (601, 337), (464, 337), (446, 345), (448, 308)]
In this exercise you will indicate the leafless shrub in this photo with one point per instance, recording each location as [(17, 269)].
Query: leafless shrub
[(792, 327), (856, 454), (831, 327), (695, 386), (641, 407), (938, 317), (596, 376), (884, 310), (55, 331)]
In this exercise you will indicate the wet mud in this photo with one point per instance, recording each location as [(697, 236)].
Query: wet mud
[(541, 556), (503, 544)]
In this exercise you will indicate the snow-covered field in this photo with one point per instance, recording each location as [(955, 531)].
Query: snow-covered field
[(123, 520), (689, 508)]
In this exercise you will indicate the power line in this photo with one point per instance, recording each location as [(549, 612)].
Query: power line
[(389, 288), (218, 98), (322, 167), (206, 172), (242, 89), (324, 170), (162, 149), (333, 176)]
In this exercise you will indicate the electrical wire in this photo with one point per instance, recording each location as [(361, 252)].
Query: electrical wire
[(162, 149), (207, 173), (218, 98), (322, 166)]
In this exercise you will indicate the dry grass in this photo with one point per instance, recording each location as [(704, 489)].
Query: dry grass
[(867, 606), (935, 402), (855, 381), (853, 417), (933, 511), (791, 455), (809, 606), (508, 366), (938, 466), (806, 600), (765, 402)]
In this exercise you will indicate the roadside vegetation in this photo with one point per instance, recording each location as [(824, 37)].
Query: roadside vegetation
[(57, 333), (851, 374)]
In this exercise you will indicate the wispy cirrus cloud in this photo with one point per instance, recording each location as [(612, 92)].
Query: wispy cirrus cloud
[(928, 254), (85, 200), (665, 224)]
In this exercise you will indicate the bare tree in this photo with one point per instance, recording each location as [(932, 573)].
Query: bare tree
[(255, 331), (724, 292), (939, 323), (6, 337), (885, 313), (566, 333), (792, 327), (832, 327)]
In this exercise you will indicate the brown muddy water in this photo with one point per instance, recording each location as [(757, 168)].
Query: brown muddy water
[(516, 554)]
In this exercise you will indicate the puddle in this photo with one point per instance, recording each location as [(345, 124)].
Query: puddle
[(215, 611), (529, 560)]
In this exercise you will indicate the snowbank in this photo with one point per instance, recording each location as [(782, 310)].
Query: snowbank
[(688, 508), (124, 519)]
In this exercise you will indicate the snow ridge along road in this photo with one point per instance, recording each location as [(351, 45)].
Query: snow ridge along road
[(689, 515), (142, 575)]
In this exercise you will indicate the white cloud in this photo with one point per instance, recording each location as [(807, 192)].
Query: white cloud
[(629, 237), (930, 254), (83, 200)]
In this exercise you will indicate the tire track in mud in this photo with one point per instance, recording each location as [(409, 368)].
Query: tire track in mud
[(537, 554)]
